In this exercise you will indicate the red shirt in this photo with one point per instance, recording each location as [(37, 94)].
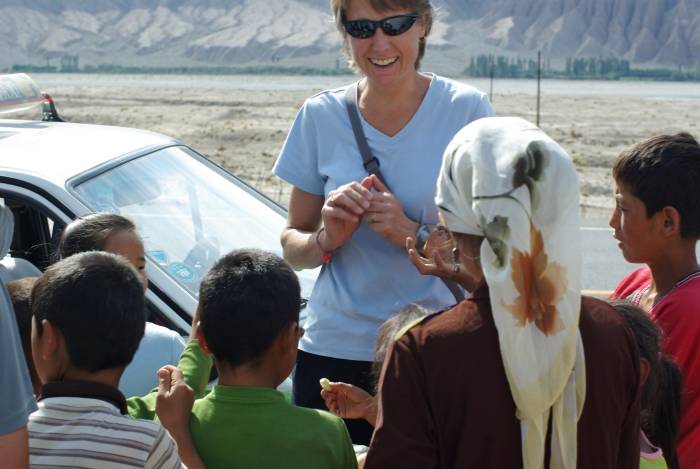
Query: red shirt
[(678, 314)]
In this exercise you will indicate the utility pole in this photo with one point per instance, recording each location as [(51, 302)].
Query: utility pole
[(539, 79), (491, 75)]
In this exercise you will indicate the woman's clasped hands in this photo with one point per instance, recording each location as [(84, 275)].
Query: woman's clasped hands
[(342, 212), (368, 201)]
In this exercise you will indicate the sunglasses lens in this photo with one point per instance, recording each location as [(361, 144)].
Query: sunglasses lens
[(360, 28), (398, 24)]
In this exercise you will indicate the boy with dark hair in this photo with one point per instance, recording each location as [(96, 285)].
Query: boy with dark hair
[(657, 222), (88, 319), (249, 321)]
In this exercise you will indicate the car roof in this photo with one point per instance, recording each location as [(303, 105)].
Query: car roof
[(57, 151)]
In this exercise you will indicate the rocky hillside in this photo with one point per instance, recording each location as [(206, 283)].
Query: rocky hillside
[(296, 32)]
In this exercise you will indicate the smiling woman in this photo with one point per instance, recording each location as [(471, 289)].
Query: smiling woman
[(420, 10), (353, 218)]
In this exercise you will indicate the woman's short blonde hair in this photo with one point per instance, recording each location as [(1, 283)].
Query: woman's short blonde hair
[(422, 8)]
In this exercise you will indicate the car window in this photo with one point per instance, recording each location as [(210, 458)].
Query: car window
[(34, 228), (188, 213)]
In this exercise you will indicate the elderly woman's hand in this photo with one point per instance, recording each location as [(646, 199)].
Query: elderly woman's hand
[(385, 215), (342, 212), (350, 402), (435, 264), (448, 258)]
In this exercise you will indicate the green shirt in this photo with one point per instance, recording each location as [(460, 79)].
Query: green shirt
[(195, 365), (256, 427), (253, 427), (659, 463), (651, 457)]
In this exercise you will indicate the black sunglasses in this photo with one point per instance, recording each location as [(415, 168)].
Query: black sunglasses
[(392, 26)]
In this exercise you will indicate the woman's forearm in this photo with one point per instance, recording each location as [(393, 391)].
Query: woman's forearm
[(300, 249), (298, 239)]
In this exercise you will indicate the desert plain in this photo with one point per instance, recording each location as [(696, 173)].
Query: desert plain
[(243, 128)]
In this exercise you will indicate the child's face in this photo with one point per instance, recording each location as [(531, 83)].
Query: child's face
[(129, 244), (639, 236)]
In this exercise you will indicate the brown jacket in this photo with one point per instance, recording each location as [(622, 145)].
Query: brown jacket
[(444, 401)]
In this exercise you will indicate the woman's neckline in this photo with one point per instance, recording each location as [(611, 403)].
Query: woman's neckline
[(411, 122)]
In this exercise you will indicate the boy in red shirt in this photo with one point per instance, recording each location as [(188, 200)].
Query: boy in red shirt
[(657, 222)]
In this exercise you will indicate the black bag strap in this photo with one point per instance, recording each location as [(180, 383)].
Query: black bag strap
[(371, 164), (369, 161)]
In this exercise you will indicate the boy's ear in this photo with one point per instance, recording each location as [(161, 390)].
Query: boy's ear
[(287, 338), (671, 221), (51, 340), (202, 341)]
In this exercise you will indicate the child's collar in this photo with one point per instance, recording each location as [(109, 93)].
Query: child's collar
[(85, 389)]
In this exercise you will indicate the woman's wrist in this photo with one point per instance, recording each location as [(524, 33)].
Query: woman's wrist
[(321, 238)]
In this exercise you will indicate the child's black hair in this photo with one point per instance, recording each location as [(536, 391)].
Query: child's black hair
[(661, 395), (90, 233), (667, 415), (664, 171), (245, 301), (95, 299)]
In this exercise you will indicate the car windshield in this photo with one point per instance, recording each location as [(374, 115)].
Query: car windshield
[(188, 213)]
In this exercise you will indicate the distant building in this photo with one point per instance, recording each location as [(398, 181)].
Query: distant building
[(70, 63)]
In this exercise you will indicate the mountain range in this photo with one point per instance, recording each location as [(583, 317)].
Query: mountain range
[(301, 32)]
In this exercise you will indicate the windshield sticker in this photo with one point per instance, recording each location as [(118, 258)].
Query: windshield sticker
[(160, 256), (182, 272)]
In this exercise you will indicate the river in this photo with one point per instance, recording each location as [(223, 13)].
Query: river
[(640, 89)]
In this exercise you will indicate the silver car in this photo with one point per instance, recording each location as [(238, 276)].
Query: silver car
[(188, 210)]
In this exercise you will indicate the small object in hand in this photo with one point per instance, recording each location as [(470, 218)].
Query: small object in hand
[(325, 384), (422, 235)]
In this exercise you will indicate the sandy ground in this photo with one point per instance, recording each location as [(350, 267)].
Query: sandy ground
[(244, 130)]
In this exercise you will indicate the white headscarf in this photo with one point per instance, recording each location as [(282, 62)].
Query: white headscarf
[(504, 179)]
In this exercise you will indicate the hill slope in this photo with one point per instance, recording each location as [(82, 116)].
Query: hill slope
[(293, 32)]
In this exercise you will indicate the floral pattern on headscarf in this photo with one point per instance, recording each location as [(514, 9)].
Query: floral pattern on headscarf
[(541, 285)]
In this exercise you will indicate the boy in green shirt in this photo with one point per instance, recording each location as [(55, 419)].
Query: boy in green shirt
[(249, 306)]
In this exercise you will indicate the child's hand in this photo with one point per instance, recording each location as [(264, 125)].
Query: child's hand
[(174, 407), (174, 401), (350, 402)]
